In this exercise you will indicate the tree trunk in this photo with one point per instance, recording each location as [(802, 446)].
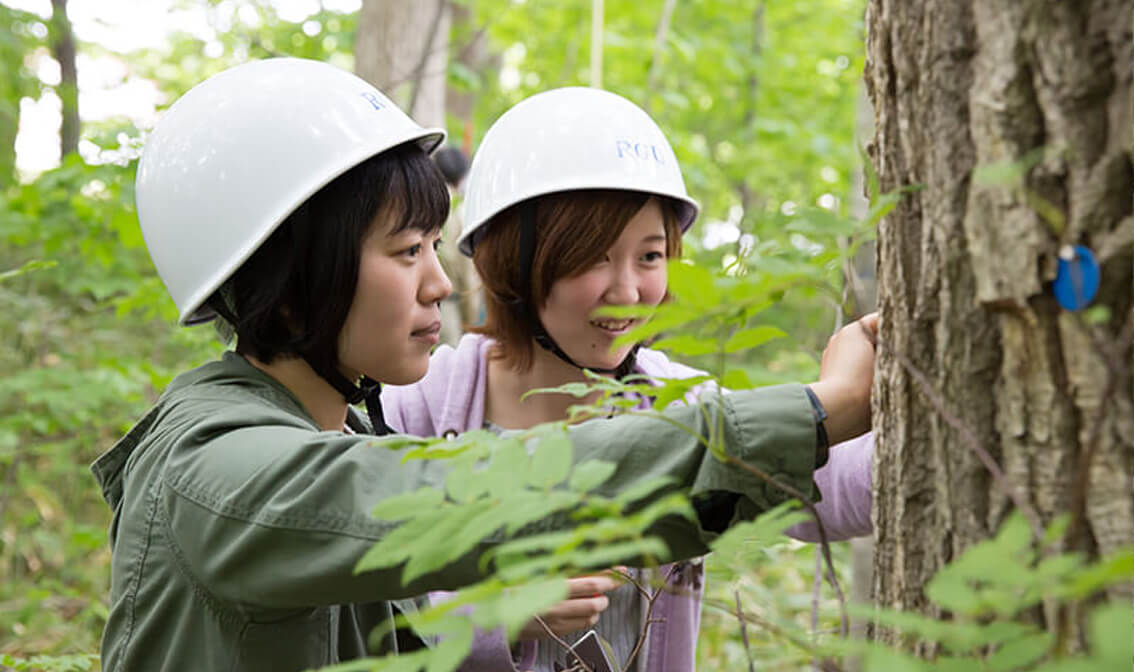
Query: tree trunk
[(465, 307), (9, 127), (63, 50), (965, 269), (402, 48)]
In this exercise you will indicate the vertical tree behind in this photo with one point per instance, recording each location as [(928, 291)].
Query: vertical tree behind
[(402, 48), (63, 50), (965, 271), (16, 82)]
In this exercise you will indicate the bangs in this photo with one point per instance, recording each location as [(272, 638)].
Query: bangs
[(416, 191), (574, 230)]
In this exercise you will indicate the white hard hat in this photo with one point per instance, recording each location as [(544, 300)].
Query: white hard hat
[(568, 139), (233, 157)]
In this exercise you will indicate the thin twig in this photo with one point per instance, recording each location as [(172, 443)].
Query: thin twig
[(426, 51), (1116, 355), (648, 620), (557, 638), (824, 543), (756, 620), (659, 46), (966, 434), (744, 632), (9, 483), (816, 585)]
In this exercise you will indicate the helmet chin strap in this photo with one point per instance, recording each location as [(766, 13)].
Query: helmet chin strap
[(527, 254), (366, 389)]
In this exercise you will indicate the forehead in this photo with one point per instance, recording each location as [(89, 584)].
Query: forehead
[(648, 222), (393, 221)]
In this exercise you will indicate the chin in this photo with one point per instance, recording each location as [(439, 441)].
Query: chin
[(602, 364), (405, 375)]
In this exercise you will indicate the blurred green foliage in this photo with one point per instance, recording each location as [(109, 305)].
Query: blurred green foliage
[(760, 101)]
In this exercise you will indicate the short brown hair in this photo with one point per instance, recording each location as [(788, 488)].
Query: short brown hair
[(573, 231)]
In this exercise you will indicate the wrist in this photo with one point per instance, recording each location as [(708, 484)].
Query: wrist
[(848, 413)]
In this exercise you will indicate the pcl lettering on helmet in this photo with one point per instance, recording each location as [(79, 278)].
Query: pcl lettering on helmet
[(373, 100), (637, 150)]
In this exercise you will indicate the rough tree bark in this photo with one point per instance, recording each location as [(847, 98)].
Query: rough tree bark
[(965, 269), (401, 47)]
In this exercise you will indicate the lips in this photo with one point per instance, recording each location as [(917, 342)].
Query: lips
[(613, 326), (433, 329)]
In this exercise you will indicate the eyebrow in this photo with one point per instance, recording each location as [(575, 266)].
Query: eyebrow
[(654, 238)]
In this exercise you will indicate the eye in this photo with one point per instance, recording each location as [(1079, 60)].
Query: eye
[(411, 251), (652, 257), (437, 244)]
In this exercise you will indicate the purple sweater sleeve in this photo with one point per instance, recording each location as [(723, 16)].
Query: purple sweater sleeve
[(845, 485), (844, 482)]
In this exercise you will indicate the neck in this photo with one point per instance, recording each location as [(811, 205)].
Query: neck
[(506, 385), (319, 399)]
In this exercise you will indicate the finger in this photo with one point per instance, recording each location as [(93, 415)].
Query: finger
[(869, 324), (563, 628), (578, 608), (589, 586)]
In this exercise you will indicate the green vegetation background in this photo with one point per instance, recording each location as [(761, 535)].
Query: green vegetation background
[(760, 102)]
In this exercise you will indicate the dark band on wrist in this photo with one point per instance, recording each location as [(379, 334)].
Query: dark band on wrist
[(822, 443)]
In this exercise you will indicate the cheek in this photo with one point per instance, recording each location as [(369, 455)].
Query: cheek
[(383, 295), (573, 295), (654, 287)]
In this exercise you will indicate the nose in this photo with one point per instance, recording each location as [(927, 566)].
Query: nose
[(435, 285), (623, 289)]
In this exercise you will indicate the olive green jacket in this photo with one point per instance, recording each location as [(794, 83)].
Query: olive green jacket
[(237, 521)]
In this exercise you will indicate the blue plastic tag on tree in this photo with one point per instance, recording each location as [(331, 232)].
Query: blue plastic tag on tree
[(1077, 280)]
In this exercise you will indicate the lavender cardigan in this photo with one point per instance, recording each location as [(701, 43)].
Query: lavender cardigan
[(450, 398)]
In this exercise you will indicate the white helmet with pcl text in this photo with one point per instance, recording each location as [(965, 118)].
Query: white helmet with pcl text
[(564, 140), (233, 157)]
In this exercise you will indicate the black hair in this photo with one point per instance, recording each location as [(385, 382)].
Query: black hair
[(453, 163), (292, 296)]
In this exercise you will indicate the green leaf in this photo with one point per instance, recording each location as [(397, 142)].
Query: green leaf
[(737, 379), (643, 489), (1110, 634), (1109, 571), (408, 505), (688, 345), (692, 283), (743, 539), (394, 548), (34, 265), (452, 649), (591, 474), (551, 461), (1019, 653), (450, 538), (670, 390), (530, 507), (526, 601), (751, 338), (609, 555), (509, 467)]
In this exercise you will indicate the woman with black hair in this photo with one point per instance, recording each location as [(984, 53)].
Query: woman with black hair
[(298, 204)]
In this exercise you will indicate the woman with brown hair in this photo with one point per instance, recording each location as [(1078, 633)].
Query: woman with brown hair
[(575, 201)]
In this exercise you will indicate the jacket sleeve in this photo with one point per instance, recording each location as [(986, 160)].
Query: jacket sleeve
[(845, 485), (268, 512), (844, 482)]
